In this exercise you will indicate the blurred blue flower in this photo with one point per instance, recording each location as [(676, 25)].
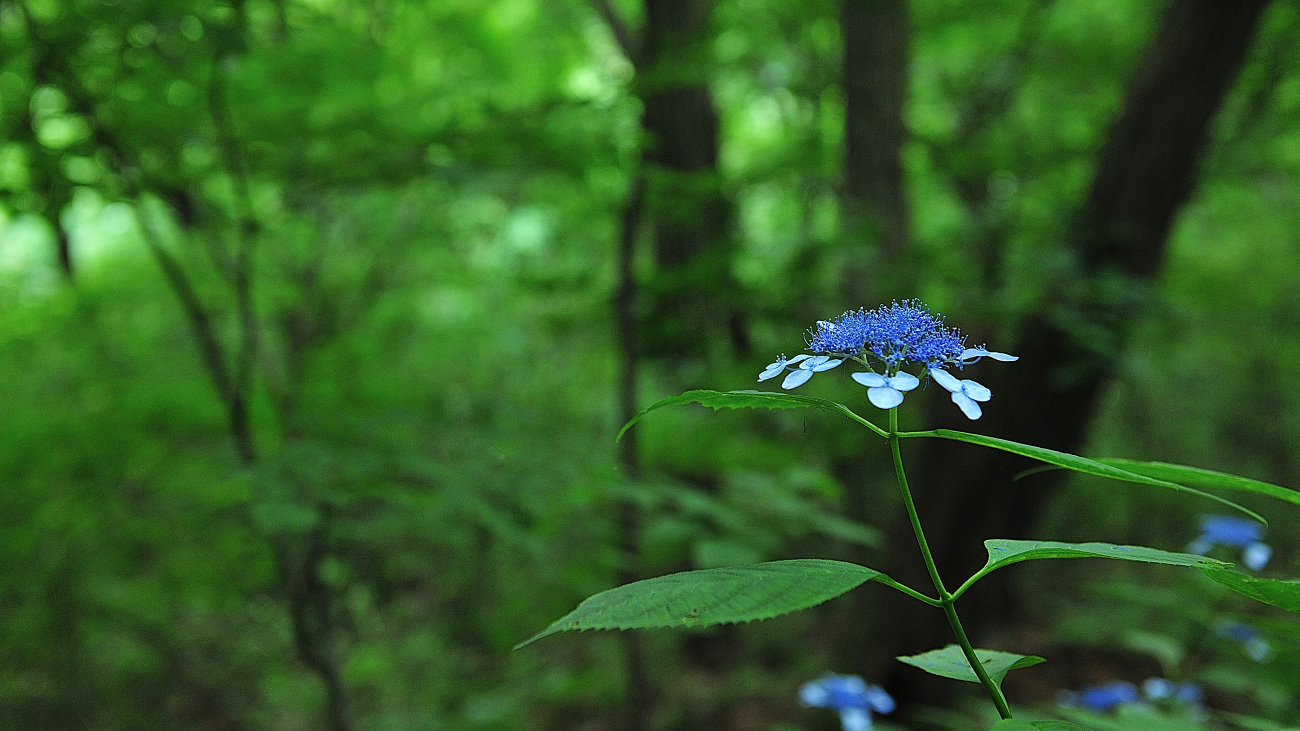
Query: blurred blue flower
[(1102, 698), (850, 696), (1159, 689), (1257, 648), (1234, 532)]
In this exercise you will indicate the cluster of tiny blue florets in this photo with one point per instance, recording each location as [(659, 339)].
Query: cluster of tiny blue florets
[(893, 335)]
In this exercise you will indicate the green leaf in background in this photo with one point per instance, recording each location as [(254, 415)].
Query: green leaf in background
[(1006, 552), (1277, 592), (1055, 725), (950, 662), (1185, 475), (715, 596), (1076, 463), (751, 400)]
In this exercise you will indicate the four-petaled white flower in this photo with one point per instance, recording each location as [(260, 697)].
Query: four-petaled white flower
[(886, 392), (799, 375), (965, 392)]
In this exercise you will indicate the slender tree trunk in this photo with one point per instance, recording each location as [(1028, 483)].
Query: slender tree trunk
[(1145, 174), (875, 79), (639, 702), (690, 298)]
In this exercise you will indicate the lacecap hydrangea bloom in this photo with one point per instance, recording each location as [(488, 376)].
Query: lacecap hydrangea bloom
[(887, 341), (850, 696)]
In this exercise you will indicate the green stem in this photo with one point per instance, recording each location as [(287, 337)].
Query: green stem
[(946, 600)]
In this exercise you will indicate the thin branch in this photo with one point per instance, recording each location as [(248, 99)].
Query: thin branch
[(627, 38)]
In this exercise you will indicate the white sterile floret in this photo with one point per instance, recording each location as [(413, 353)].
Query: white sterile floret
[(774, 369), (971, 355), (965, 392), (809, 366), (886, 392)]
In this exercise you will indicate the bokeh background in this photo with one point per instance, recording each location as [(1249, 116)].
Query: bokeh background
[(318, 319)]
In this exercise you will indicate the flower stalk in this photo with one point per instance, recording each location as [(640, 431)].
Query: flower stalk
[(946, 599)]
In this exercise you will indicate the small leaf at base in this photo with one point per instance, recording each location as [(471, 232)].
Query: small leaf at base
[(950, 662)]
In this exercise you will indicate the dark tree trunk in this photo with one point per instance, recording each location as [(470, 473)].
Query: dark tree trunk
[(690, 297), (875, 78), (1145, 173)]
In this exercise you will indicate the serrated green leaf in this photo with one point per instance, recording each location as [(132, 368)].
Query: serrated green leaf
[(1076, 463), (1012, 724), (950, 662), (715, 596), (1055, 725), (1006, 552), (1277, 592), (750, 400), (1196, 476)]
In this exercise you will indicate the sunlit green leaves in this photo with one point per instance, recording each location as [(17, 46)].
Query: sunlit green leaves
[(714, 596), (950, 662)]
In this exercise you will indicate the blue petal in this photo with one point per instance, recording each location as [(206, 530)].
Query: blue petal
[(855, 719), (972, 355), (772, 371), (879, 700), (870, 380), (946, 379), (814, 694), (1256, 556), (826, 364), (884, 397), (904, 381), (968, 407), (975, 390), (797, 378)]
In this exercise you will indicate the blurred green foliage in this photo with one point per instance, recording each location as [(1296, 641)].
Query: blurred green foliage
[(425, 198)]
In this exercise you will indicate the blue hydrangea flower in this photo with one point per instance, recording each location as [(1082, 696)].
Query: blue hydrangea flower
[(1257, 648), (965, 392), (887, 340), (1234, 532), (1102, 698), (850, 696), (886, 393), (1160, 689)]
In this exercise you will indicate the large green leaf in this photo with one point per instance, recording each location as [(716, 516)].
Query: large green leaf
[(1185, 475), (1076, 463), (1277, 592), (716, 596), (1005, 552), (950, 662), (751, 400)]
